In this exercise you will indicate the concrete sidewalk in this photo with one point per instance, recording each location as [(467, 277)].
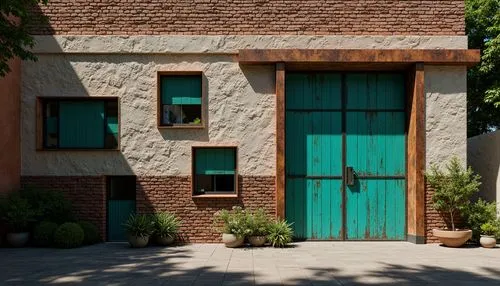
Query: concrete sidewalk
[(306, 263)]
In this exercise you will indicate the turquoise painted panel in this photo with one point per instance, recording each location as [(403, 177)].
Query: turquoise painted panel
[(313, 91), (375, 91), (375, 209), (112, 124), (185, 90), (375, 143), (118, 213), (51, 125), (215, 161), (81, 124)]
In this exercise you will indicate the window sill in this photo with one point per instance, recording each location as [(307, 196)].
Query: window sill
[(215, 196), (182, 126)]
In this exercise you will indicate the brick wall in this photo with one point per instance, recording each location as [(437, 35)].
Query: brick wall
[(434, 219), (173, 194), (222, 17), (87, 194)]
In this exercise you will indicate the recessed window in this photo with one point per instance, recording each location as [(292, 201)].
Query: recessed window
[(79, 123), (180, 100), (214, 171)]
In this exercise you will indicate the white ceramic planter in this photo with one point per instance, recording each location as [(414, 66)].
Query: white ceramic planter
[(452, 238), (230, 240), (257, 240), (18, 239), (167, 240), (138, 241), (488, 241)]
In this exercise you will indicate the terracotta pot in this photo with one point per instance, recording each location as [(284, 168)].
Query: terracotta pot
[(452, 238), (164, 240), (257, 240), (18, 239), (138, 241), (488, 241), (230, 240)]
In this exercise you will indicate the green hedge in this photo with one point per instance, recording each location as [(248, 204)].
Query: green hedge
[(69, 235), (91, 233), (43, 234)]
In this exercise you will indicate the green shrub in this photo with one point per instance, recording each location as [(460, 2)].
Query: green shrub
[(453, 189), (90, 233), (234, 222), (280, 233), (139, 225), (491, 228), (43, 234), (477, 214), (68, 235), (166, 224), (17, 213), (259, 223), (49, 205)]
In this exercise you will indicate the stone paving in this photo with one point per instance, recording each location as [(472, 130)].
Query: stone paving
[(306, 263)]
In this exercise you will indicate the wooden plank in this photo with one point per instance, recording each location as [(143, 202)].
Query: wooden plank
[(280, 140), (360, 56)]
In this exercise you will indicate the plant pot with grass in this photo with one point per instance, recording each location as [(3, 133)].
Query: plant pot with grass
[(258, 223), (139, 228), (489, 234), (280, 233), (233, 225), (166, 227), (18, 214), (453, 189)]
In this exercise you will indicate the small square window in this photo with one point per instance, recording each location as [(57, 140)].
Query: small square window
[(180, 100), (214, 171)]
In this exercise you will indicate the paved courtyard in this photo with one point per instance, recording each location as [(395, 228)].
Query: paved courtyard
[(306, 263)]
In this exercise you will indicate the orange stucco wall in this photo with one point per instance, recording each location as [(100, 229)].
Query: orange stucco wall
[(10, 152)]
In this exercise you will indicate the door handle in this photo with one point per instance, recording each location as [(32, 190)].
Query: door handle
[(349, 176)]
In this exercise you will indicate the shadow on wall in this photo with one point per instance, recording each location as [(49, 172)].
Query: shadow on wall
[(181, 266), (483, 155)]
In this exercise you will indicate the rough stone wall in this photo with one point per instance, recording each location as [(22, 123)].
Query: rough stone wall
[(446, 114), (173, 194), (223, 17), (86, 193)]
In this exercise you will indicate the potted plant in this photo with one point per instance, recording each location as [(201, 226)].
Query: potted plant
[(166, 226), (258, 223), (139, 228), (453, 191), (18, 215), (233, 225), (490, 231), (280, 233)]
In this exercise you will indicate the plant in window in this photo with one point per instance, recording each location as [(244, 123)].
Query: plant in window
[(453, 190), (259, 225), (166, 227), (196, 121), (233, 225), (139, 228)]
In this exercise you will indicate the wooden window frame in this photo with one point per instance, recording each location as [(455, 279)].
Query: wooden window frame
[(159, 109), (39, 121), (234, 194)]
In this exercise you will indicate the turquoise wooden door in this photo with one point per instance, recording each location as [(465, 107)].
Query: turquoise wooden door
[(314, 155), (121, 193), (375, 150), (335, 121)]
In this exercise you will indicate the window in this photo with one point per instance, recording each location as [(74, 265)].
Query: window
[(79, 123), (180, 100), (214, 171)]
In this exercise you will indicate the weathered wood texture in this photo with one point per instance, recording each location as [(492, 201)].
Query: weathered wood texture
[(280, 140), (367, 56)]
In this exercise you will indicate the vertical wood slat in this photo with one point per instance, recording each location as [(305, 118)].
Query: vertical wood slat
[(416, 155), (280, 140)]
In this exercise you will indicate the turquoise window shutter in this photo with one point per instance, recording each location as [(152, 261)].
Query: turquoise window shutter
[(81, 124), (112, 126), (215, 161), (182, 90), (51, 125)]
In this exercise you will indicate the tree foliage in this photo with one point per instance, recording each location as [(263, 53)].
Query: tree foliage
[(15, 40), (482, 18)]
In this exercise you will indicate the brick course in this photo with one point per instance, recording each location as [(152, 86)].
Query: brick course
[(173, 194), (258, 17), (87, 195)]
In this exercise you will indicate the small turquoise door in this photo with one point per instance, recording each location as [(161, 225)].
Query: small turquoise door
[(340, 124), (120, 205)]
